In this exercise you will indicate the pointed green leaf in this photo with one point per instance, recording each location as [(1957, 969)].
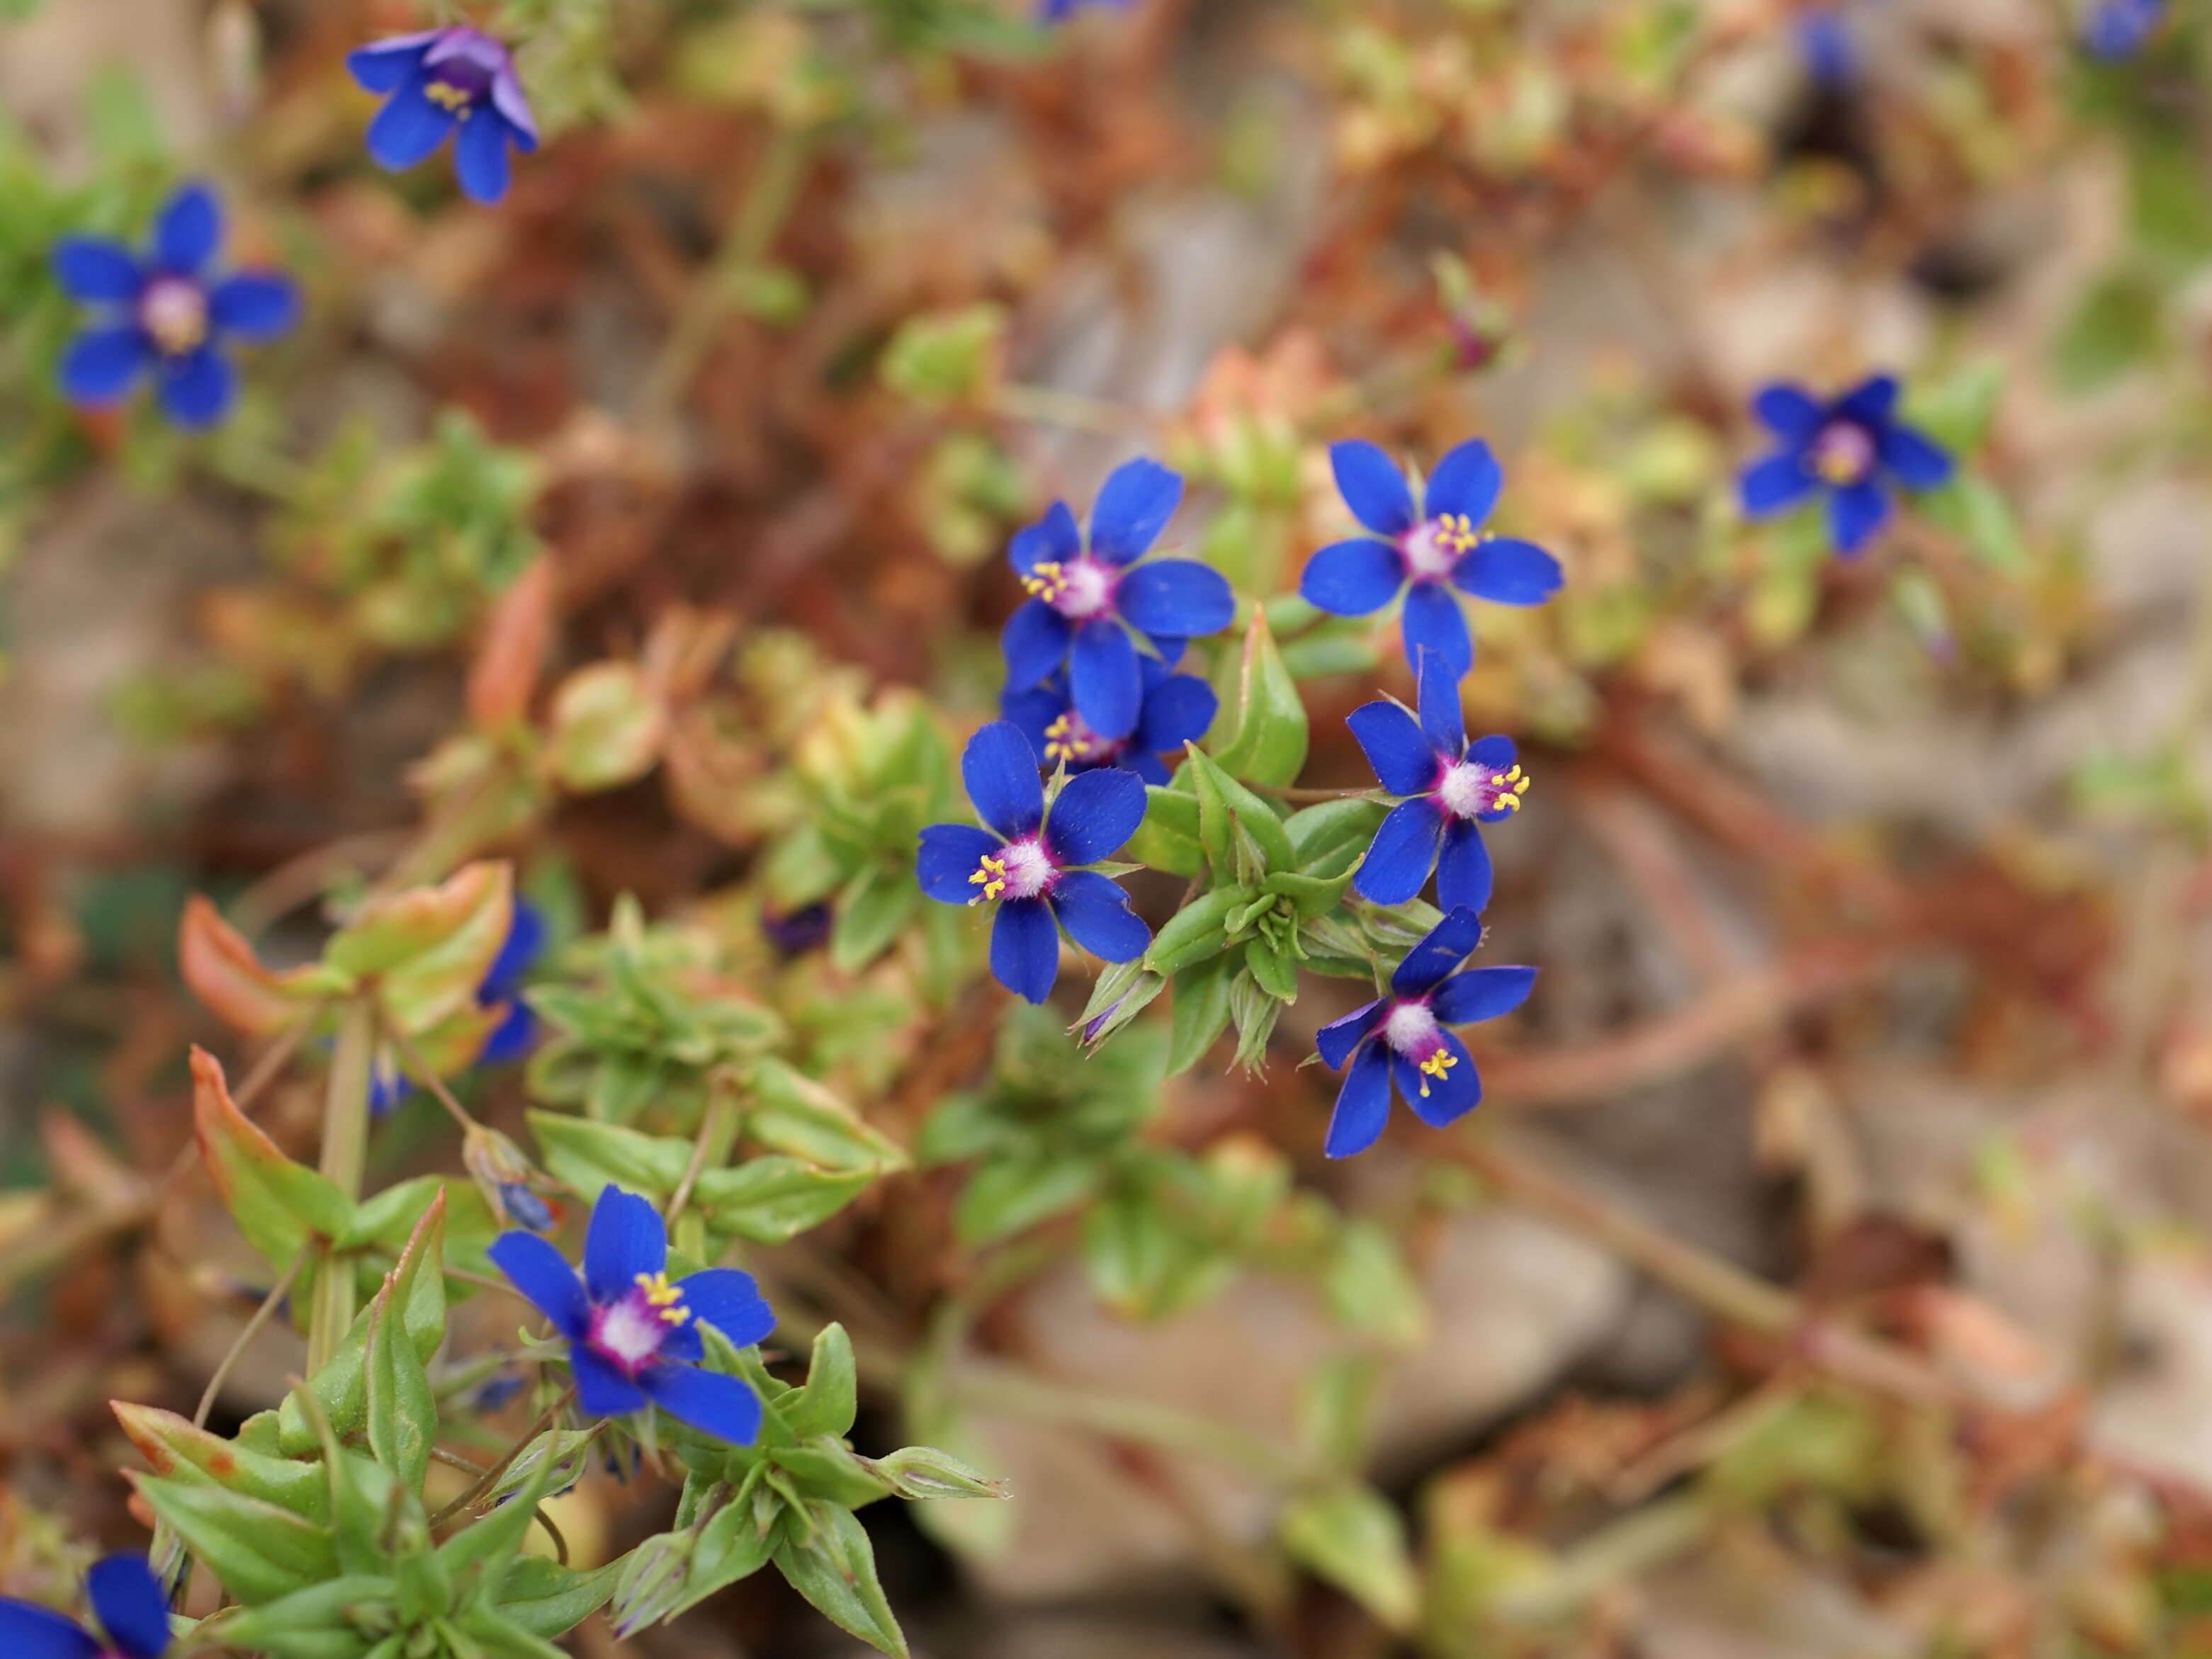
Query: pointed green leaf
[(1267, 718), (836, 1570)]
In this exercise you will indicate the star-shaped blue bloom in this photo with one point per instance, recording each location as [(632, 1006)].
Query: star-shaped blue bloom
[(1425, 555), (1448, 788), (164, 314), (438, 80), (633, 1337), (1854, 448), (127, 1601), (1029, 863), (1092, 600), (1175, 709), (1401, 1036)]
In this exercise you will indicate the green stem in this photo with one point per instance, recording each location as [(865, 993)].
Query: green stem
[(345, 1155), (993, 1387), (717, 1131)]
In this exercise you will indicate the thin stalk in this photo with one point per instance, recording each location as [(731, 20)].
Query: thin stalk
[(490, 1476), (345, 1154), (411, 1058), (268, 1306), (717, 1126)]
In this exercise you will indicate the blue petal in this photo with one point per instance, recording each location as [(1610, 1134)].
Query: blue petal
[(1176, 711), (1450, 1096), (1396, 747), (1789, 413), (511, 1039), (525, 937), (1335, 1041), (197, 389), (1463, 868), (1034, 642), (1147, 766), (537, 1269), (1133, 505), (1403, 853), (1180, 598), (386, 65), (1026, 949), (1372, 487), (625, 1238), (729, 1301), (951, 852), (96, 272), (1055, 538), (1095, 912), (1497, 753), (1507, 571), (1433, 622), (602, 1390), (1351, 579), (1093, 816), (1102, 673), (1466, 481), (1445, 947), (1870, 403), (1443, 722), (100, 364), (681, 1342), (28, 1631), (1034, 711), (130, 1605), (190, 226), (254, 305), (1774, 483), (1914, 459), (1855, 513), (725, 1407), (408, 128), (480, 156), (1482, 994), (1362, 1104), (999, 770)]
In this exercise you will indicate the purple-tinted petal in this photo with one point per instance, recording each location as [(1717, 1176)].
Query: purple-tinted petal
[(1395, 746), (1372, 487), (625, 1238), (551, 1284), (1093, 816), (1178, 710), (29, 1632), (999, 770), (1463, 874), (130, 1603), (1482, 994), (1335, 1041), (1870, 403), (1403, 853), (1789, 413), (388, 65), (602, 1390), (1433, 622), (96, 272), (1095, 912), (480, 157), (101, 364), (1025, 948), (1443, 722), (190, 226), (729, 1301), (1362, 1104), (1034, 642), (1053, 540), (1779, 481), (1913, 458), (1445, 947), (509, 98), (408, 128), (1133, 505), (951, 852), (197, 389), (725, 1407), (1351, 579), (1466, 481), (254, 305), (1855, 513), (1508, 571), (1452, 1095), (1103, 674), (1494, 753), (1179, 598)]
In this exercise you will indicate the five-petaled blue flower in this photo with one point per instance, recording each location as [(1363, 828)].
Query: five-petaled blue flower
[(2118, 29), (501, 984), (1087, 599), (1850, 447), (439, 80), (633, 1337), (1029, 863), (1175, 709), (1425, 555), (1448, 788), (127, 1600), (167, 314), (1402, 1035)]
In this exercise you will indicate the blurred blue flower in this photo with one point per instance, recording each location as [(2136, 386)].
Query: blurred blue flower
[(1173, 709), (440, 79), (2118, 29), (1425, 555), (1029, 864), (126, 1598), (1824, 37), (1059, 11), (1854, 447), (166, 315), (510, 1040), (1401, 1037)]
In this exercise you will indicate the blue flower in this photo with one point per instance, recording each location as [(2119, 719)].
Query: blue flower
[(437, 81), (1448, 786), (510, 1040), (2118, 29), (1824, 39), (633, 1337), (126, 1598), (1091, 601), (166, 315), (1059, 11), (1850, 447), (1425, 555), (1029, 864), (1175, 709), (1401, 1036)]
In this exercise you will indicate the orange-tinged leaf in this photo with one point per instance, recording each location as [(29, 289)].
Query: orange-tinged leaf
[(457, 933), (515, 636), (279, 1206), (223, 973), (607, 728)]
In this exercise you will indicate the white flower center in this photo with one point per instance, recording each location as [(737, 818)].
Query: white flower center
[(1843, 453), (1469, 791), (173, 310), (628, 1332), (1020, 870), (1079, 589), (1411, 1028), (1432, 547)]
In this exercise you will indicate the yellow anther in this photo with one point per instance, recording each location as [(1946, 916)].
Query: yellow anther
[(1455, 533), (448, 97), (663, 1297), (992, 878), (1436, 1066), (1048, 580)]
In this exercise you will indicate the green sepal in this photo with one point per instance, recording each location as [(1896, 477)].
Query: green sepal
[(1200, 1012), (829, 1400), (1266, 718), (827, 1558), (1196, 931), (1168, 838), (1225, 806)]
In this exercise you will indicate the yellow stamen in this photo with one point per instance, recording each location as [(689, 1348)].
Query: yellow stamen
[(1511, 786), (663, 1298), (1455, 533), (1435, 1067), (1063, 743), (448, 97), (1047, 582), (992, 878)]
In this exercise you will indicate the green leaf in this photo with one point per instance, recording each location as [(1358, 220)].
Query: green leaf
[(1168, 838), (1224, 805), (1197, 931), (279, 1206), (417, 1286), (548, 1600), (1267, 721), (567, 1449), (770, 1199), (1273, 968), (175, 1448), (1200, 1012), (1351, 1537), (830, 1398), (402, 1412), (835, 1569), (873, 910), (1958, 409), (1329, 839), (317, 1622), (585, 1156), (1130, 1253), (1000, 1199), (791, 1113), (258, 1551), (1370, 1288), (1975, 510)]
